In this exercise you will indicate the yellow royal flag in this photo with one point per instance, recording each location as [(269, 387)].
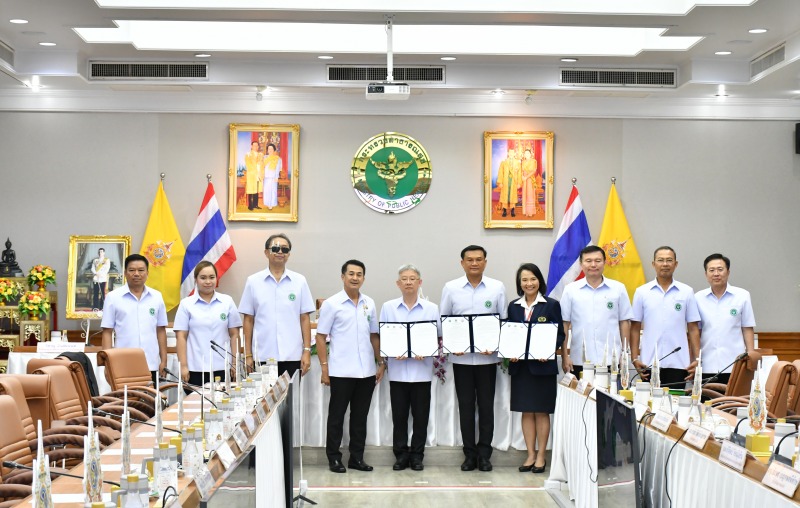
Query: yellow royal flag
[(622, 259), (163, 248)]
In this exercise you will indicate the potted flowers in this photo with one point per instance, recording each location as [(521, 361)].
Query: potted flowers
[(34, 304), (41, 275), (9, 290)]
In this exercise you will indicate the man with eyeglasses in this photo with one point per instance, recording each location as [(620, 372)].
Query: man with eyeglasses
[(667, 312), (726, 319), (277, 306)]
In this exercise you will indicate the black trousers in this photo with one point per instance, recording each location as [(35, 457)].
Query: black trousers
[(288, 366), (476, 383), (673, 378), (200, 378), (576, 370), (356, 393), (252, 201), (417, 398), (98, 295)]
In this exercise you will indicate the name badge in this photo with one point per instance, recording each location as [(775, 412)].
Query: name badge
[(782, 478), (261, 412), (662, 421), (697, 436), (240, 438), (582, 384), (566, 380), (203, 480), (250, 422), (225, 454), (733, 456)]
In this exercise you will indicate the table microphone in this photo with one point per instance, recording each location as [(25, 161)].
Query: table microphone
[(651, 365), (192, 389), (15, 465), (106, 413), (176, 379), (739, 358), (219, 350)]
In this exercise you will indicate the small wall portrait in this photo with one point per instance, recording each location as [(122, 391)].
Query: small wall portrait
[(96, 266)]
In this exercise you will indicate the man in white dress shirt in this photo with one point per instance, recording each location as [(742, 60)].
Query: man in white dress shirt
[(137, 316), (277, 305), (475, 374), (410, 380), (597, 311), (726, 319), (353, 367), (667, 311)]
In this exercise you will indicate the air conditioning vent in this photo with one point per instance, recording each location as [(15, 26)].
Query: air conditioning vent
[(768, 60), (6, 54), (147, 71), (650, 78), (374, 73)]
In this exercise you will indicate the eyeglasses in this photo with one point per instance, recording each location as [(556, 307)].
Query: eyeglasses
[(278, 248)]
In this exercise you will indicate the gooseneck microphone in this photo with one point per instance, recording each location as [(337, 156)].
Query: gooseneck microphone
[(651, 365), (220, 350), (185, 384), (192, 389), (16, 465), (106, 413), (739, 358)]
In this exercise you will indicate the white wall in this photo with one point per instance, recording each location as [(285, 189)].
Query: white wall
[(700, 186)]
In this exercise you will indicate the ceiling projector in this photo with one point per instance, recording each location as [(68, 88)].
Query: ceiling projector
[(388, 91)]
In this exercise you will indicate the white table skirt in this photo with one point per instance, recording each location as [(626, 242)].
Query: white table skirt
[(443, 425)]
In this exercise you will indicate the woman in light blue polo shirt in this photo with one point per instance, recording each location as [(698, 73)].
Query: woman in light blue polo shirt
[(202, 317)]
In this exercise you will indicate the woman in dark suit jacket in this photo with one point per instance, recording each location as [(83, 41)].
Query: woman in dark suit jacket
[(533, 382)]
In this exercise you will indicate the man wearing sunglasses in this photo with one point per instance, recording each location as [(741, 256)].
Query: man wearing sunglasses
[(277, 305)]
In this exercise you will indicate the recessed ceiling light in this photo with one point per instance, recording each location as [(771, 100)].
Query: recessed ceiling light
[(758, 30), (325, 57), (569, 60), (722, 53), (202, 55), (47, 44), (18, 21), (498, 92), (448, 58)]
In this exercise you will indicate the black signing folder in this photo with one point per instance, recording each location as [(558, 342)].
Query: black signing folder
[(528, 341), (470, 333), (417, 338)]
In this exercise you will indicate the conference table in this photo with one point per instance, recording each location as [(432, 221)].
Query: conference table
[(696, 478), (267, 437)]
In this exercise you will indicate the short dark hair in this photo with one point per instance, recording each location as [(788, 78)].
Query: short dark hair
[(204, 264), (665, 247), (716, 256), (100, 249), (136, 257), (536, 272), (353, 262), (472, 247), (273, 146), (277, 235), (592, 248)]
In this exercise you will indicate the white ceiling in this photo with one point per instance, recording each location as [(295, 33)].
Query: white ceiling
[(297, 79)]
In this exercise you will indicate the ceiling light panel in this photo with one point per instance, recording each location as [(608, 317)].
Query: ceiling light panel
[(407, 39), (645, 7)]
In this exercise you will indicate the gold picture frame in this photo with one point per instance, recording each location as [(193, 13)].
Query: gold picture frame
[(85, 272), (263, 172), (524, 161)]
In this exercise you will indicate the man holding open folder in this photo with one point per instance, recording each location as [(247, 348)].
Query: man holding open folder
[(475, 374), (410, 379)]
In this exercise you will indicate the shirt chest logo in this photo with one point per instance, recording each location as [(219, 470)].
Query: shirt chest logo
[(487, 304), (292, 297), (610, 305), (734, 312), (223, 317), (678, 307), (152, 311), (542, 319)]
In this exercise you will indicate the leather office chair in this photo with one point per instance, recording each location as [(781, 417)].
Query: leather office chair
[(740, 380), (794, 397), (776, 389), (32, 394), (128, 366)]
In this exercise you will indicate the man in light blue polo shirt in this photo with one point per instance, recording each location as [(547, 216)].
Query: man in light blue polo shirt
[(410, 380), (277, 305), (726, 319), (667, 311), (475, 374), (350, 319), (137, 316)]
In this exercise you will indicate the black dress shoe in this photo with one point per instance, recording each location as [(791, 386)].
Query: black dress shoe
[(504, 212), (359, 465), (469, 464), (336, 466), (535, 469), (416, 465), (400, 464), (525, 469), (484, 464), (512, 213)]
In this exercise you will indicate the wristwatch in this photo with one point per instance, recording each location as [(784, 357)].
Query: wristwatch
[(307, 349)]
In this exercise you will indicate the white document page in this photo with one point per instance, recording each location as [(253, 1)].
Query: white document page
[(424, 339), (394, 340), (543, 341), (455, 334), (486, 333), (513, 337)]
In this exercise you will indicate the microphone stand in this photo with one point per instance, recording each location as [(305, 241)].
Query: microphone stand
[(219, 349), (15, 465), (739, 358), (638, 373), (106, 413)]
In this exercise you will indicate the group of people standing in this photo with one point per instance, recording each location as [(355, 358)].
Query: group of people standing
[(276, 307)]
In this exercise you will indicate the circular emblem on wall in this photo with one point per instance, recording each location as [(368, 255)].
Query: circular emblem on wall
[(391, 173)]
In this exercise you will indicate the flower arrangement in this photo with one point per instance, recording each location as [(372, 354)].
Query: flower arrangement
[(41, 275), (34, 303), (439, 362), (9, 290)]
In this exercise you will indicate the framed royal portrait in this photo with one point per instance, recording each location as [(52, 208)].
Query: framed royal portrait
[(263, 172), (96, 267), (518, 180)]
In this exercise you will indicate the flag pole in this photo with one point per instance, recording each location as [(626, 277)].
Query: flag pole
[(208, 177), (162, 176), (613, 180), (574, 181)]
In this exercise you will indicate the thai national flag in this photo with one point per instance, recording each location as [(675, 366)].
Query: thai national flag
[(209, 241), (573, 236)]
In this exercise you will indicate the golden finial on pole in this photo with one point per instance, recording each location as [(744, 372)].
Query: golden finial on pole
[(162, 176), (208, 177), (574, 180)]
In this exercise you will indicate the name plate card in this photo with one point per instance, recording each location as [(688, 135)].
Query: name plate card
[(697, 436), (203, 480), (270, 401), (782, 478), (582, 384), (733, 456), (60, 347), (240, 438), (662, 421), (225, 454), (261, 412), (566, 380), (250, 422)]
